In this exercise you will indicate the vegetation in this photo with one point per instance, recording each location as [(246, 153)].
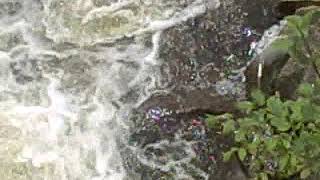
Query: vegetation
[(296, 40), (276, 138)]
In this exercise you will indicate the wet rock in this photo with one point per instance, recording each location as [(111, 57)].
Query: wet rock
[(208, 49), (274, 60), (201, 54), (289, 78), (201, 62)]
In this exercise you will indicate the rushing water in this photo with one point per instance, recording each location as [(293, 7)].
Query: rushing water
[(70, 72)]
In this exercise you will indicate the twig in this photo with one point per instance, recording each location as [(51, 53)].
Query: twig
[(259, 74)]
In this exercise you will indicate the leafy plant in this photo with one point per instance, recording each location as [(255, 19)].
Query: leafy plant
[(276, 138), (296, 40)]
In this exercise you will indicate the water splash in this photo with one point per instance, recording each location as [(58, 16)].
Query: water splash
[(86, 22), (65, 92)]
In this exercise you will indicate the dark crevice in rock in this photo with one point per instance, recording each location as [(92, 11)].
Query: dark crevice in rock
[(286, 8)]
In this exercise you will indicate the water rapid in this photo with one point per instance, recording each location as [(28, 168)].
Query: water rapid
[(70, 73)]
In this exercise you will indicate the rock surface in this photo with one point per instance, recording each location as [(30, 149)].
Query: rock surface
[(201, 61)]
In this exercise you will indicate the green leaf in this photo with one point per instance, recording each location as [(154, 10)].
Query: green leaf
[(242, 153), (293, 54), (283, 43), (297, 51), (305, 90), (280, 123), (240, 135), (211, 120), (305, 173), (306, 21), (298, 126), (259, 116), (227, 155), (271, 144), (307, 144), (277, 107), (309, 112), (215, 120), (263, 176), (312, 126), (245, 106), (286, 143), (228, 126), (300, 143), (252, 148), (294, 22), (293, 27), (248, 123), (258, 97), (293, 161), (295, 107), (283, 162)]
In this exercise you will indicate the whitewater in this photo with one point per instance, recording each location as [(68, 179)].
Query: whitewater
[(70, 73)]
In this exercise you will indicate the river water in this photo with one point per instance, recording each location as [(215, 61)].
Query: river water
[(70, 73)]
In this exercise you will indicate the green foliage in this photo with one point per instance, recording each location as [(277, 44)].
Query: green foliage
[(245, 106), (242, 153), (227, 155), (306, 90), (276, 138), (258, 98), (211, 121), (295, 40), (228, 126)]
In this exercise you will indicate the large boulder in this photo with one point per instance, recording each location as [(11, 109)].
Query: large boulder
[(201, 60)]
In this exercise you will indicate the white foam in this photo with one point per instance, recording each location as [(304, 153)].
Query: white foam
[(191, 11), (76, 132), (140, 18), (152, 57), (104, 10)]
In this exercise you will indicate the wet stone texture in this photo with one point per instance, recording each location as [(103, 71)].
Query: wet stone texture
[(201, 59)]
